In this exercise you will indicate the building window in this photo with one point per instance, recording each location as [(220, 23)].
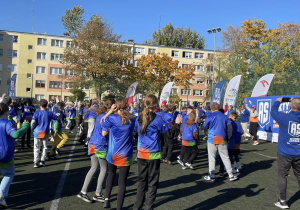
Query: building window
[(42, 41), (56, 57), (39, 97), (185, 92), (70, 72), (186, 65), (30, 47), (187, 54), (56, 71), (40, 83), (12, 53), (28, 90), (139, 50), (0, 67), (57, 43), (68, 85), (13, 39), (40, 70), (54, 84), (29, 75), (174, 91), (198, 92), (151, 51), (175, 53), (8, 81), (1, 52), (198, 68), (11, 68), (29, 61), (69, 44), (199, 81), (41, 56), (209, 68), (135, 63), (1, 37), (199, 55), (83, 73), (209, 55), (208, 81)]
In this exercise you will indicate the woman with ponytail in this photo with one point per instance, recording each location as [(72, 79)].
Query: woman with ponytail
[(149, 126), (119, 124), (98, 146)]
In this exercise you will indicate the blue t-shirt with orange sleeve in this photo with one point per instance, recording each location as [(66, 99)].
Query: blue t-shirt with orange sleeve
[(42, 120), (98, 144), (149, 147), (217, 123), (235, 140), (6, 130), (187, 134), (120, 144)]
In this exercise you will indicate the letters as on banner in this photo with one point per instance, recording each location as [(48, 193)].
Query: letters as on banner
[(264, 110)]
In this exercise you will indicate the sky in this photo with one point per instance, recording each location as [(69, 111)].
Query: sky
[(137, 19)]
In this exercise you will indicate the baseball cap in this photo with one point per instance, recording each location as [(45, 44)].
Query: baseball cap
[(253, 106)]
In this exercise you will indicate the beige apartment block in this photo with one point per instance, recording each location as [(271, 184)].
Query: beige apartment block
[(35, 58)]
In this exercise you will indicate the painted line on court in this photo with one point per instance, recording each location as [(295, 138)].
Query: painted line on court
[(261, 154), (63, 177)]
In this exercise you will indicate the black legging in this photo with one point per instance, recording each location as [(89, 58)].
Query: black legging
[(123, 174), (73, 124), (28, 135), (84, 132)]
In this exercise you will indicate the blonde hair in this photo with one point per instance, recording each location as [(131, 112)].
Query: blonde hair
[(125, 116)]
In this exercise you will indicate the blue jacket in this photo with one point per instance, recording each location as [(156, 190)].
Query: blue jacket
[(245, 116), (289, 131)]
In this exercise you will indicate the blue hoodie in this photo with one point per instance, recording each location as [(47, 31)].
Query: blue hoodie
[(289, 131)]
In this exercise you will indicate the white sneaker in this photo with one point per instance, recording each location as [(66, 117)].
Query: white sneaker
[(238, 170), (3, 202), (209, 178), (189, 165), (178, 157), (67, 128), (184, 167), (233, 178), (180, 162)]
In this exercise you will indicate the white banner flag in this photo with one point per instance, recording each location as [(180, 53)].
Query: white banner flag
[(232, 90), (262, 86), (131, 92), (136, 97), (165, 94)]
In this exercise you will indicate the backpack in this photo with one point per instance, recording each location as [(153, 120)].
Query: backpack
[(3, 140)]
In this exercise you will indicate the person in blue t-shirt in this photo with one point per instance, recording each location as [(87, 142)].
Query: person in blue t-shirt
[(149, 127), (119, 127), (8, 134), (288, 145), (27, 116), (72, 117), (80, 112), (85, 127), (219, 132), (245, 117)]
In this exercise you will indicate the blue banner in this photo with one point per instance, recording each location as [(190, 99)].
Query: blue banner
[(268, 128), (12, 86), (218, 92)]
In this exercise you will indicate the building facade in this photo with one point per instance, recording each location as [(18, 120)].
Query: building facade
[(35, 58)]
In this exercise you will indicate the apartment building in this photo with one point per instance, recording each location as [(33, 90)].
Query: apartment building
[(35, 58)]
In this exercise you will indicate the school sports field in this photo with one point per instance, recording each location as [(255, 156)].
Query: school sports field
[(56, 186)]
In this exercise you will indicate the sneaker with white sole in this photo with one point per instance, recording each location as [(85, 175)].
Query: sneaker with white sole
[(238, 170), (282, 204), (189, 165), (178, 157), (180, 162), (233, 178), (221, 175), (3, 202), (84, 197), (99, 198), (35, 165), (255, 143), (184, 167), (42, 163), (209, 178)]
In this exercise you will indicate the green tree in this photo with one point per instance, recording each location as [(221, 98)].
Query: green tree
[(177, 37), (78, 94), (73, 20)]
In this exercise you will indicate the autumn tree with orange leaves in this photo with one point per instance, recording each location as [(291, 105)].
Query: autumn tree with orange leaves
[(156, 70)]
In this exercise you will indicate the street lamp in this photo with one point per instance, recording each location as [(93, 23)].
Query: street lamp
[(214, 31)]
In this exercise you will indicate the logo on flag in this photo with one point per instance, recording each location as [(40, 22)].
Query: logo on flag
[(264, 110), (263, 82)]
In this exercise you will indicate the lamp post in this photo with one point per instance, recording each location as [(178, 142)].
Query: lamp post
[(214, 31)]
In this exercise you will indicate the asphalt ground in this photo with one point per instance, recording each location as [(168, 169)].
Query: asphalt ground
[(39, 188)]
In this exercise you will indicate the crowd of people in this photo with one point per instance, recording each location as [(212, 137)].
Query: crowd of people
[(110, 129)]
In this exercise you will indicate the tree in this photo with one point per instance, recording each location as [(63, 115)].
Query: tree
[(156, 70), (248, 48), (78, 94), (97, 55), (177, 37), (73, 20)]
